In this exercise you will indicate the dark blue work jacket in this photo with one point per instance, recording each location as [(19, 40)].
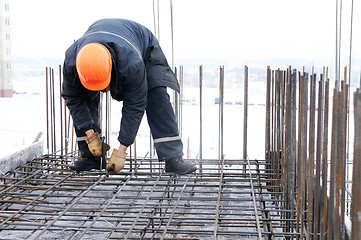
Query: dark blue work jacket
[(138, 64)]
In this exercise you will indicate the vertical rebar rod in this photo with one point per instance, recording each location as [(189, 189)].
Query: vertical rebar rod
[(288, 146), (325, 187), (72, 137), (268, 116), (47, 107), (282, 134), (274, 130), (181, 82), (356, 176), (51, 111), (318, 196), (176, 101), (273, 119), (53, 106), (221, 96), (200, 117), (331, 206), (311, 153), (337, 47), (66, 133), (171, 30), (304, 152), (245, 113), (293, 156), (61, 115), (108, 117), (345, 107), (278, 128), (176, 112), (200, 112), (299, 165)]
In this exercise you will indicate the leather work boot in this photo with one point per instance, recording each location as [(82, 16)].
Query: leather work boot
[(179, 166), (87, 164)]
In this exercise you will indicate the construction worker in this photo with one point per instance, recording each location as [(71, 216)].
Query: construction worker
[(125, 58)]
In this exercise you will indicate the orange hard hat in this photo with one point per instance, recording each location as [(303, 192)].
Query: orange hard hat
[(94, 66)]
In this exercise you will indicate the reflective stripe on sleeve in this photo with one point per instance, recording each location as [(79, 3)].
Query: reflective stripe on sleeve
[(79, 139)]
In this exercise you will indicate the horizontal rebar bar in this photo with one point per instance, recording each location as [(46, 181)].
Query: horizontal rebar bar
[(53, 199)]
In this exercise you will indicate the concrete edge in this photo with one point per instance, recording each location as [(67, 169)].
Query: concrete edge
[(12, 161)]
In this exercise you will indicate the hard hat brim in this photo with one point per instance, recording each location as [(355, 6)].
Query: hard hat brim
[(96, 86)]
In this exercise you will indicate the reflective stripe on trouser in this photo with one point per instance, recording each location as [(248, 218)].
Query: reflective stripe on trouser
[(163, 124)]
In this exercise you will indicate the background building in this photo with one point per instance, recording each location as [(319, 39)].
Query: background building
[(6, 85)]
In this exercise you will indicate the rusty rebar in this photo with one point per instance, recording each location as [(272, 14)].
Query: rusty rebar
[(356, 176), (320, 113), (325, 175), (288, 189), (311, 155), (141, 203)]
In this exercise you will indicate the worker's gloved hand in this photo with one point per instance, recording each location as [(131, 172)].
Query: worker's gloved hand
[(116, 162), (95, 144)]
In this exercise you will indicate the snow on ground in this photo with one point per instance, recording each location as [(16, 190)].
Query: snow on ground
[(24, 116)]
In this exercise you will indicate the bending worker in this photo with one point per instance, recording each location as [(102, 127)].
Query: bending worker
[(125, 58)]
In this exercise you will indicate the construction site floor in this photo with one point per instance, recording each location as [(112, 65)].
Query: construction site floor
[(224, 199)]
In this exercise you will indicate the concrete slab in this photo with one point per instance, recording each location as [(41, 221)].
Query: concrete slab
[(12, 161)]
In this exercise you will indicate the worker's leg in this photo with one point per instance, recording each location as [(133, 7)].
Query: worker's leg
[(163, 124), (164, 128), (88, 160)]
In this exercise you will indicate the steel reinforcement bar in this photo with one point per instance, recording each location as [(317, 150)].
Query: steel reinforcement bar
[(312, 172), (42, 199)]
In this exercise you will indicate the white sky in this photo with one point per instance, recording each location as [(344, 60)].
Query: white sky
[(203, 29)]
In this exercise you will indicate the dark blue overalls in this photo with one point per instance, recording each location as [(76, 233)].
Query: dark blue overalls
[(140, 77)]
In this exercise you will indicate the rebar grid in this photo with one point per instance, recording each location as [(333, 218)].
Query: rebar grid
[(44, 199)]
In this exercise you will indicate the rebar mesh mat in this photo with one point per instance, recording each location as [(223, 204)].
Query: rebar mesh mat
[(224, 199)]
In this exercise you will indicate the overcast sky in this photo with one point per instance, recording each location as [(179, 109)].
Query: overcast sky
[(203, 29)]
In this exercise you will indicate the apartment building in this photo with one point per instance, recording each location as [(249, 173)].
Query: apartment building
[(6, 75)]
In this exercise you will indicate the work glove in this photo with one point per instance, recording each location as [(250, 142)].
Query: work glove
[(116, 162), (95, 145)]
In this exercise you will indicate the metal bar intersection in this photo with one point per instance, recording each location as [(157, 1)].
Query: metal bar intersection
[(43, 199)]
